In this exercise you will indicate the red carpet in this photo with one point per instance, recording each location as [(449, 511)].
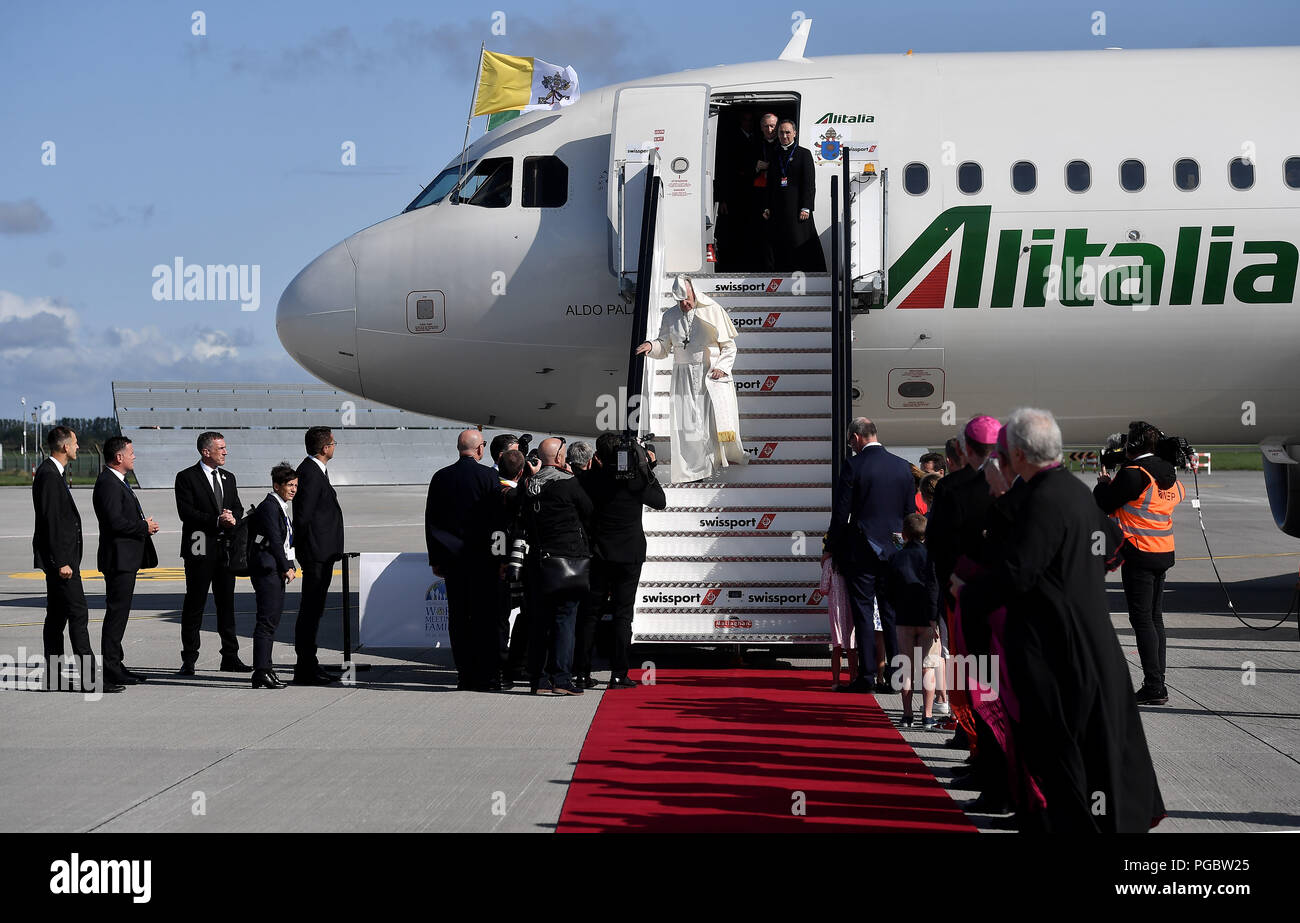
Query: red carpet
[(726, 751)]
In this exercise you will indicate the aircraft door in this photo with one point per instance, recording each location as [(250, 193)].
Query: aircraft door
[(868, 210), (668, 124)]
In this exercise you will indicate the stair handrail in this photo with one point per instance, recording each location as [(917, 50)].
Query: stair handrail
[(838, 424), (845, 319)]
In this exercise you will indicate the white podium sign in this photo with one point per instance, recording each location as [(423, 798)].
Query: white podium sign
[(402, 603)]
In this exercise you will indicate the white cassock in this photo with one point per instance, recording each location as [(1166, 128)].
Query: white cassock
[(706, 424)]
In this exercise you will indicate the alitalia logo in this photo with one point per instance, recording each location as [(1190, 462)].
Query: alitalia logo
[(837, 118), (1031, 266)]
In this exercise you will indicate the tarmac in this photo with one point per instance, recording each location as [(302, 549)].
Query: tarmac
[(401, 750)]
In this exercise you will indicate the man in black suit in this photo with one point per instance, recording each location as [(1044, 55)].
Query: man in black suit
[(874, 492), (271, 568), (459, 518), (125, 548), (791, 189), (56, 550), (207, 501), (619, 547), (318, 537)]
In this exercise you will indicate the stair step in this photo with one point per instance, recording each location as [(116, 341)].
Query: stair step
[(755, 320), (717, 570), (744, 545), (780, 302), (806, 382), (723, 496), (793, 473), (755, 283), (707, 627), (752, 362), (732, 596), (765, 426), (754, 519)]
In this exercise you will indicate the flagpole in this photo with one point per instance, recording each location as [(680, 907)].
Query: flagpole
[(478, 76)]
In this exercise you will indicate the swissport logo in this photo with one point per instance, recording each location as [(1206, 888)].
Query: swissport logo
[(816, 597), (767, 450), (773, 286), (770, 384), (772, 319), (766, 520), (737, 288), (711, 596)]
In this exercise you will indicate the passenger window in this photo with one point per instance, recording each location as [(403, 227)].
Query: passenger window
[(1132, 175), (1078, 176), (1291, 172), (1241, 173), (916, 178), (546, 182), (1024, 176), (1187, 174), (489, 185), (970, 177)]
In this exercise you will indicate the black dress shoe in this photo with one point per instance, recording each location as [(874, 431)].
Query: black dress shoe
[(187, 669), (621, 682), (586, 681), (1148, 696), (266, 679), (987, 804), (234, 665)]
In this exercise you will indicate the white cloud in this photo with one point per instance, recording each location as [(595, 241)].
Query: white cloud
[(46, 351)]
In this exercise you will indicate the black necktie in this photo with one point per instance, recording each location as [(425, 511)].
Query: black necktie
[(134, 497), (216, 489)]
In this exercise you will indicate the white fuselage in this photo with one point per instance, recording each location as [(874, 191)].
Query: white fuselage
[(1216, 369)]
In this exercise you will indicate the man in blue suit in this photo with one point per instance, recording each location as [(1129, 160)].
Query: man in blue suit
[(874, 492)]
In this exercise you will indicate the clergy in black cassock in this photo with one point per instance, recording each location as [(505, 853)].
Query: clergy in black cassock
[(791, 188), (1080, 728)]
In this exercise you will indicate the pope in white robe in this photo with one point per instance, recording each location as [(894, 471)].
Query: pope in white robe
[(706, 425)]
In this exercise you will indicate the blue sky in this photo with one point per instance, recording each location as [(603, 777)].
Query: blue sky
[(225, 148)]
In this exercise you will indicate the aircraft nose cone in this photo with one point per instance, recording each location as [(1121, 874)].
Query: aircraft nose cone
[(317, 318)]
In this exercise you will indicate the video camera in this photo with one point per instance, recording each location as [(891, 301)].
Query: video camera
[(632, 458), (1174, 449)]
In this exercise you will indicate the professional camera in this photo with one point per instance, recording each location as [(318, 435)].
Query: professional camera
[(515, 562), (633, 457), (525, 442), (1174, 449)]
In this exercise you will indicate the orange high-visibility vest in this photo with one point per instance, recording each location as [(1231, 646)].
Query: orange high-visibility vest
[(1148, 521)]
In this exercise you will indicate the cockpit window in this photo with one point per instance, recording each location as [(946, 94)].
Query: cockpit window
[(488, 185), (436, 191), (546, 182)]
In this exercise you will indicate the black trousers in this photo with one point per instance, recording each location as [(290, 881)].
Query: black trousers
[(619, 580), (1143, 588), (316, 578), (864, 586), (269, 587), (202, 574), (65, 607), (119, 590), (474, 622), (805, 257)]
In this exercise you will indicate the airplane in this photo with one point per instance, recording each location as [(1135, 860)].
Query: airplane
[(1109, 234)]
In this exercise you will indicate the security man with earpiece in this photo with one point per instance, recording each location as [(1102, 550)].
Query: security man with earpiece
[(1141, 499)]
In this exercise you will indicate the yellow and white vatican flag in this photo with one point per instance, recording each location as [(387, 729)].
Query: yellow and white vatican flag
[(507, 82)]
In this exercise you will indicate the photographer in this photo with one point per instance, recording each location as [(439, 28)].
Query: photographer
[(618, 493), (556, 513), (1141, 498)]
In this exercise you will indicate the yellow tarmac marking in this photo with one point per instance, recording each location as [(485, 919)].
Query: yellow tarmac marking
[(1225, 557), (156, 573), (134, 617)]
